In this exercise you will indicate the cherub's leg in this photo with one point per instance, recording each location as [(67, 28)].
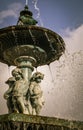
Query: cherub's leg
[(21, 105), (33, 111)]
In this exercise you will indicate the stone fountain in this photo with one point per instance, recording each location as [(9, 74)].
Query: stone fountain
[(27, 46)]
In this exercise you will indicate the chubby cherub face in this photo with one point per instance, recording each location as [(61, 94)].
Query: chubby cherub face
[(17, 73), (17, 76), (38, 77)]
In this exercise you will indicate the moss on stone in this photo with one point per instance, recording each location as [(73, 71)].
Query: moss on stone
[(41, 120)]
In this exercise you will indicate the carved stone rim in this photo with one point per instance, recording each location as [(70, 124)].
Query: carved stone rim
[(52, 43), (25, 61)]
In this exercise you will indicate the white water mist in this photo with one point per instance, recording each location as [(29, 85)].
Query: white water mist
[(35, 3)]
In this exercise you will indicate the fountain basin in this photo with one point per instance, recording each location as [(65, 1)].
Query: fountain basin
[(40, 43)]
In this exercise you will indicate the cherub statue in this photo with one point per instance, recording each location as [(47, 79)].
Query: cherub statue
[(8, 94), (19, 92), (35, 92)]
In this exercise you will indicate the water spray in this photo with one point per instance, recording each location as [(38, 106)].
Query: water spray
[(35, 3), (26, 2)]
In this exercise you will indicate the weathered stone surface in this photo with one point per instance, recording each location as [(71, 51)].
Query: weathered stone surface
[(43, 44), (28, 122)]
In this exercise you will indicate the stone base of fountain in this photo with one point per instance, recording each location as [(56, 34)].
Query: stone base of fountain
[(29, 122)]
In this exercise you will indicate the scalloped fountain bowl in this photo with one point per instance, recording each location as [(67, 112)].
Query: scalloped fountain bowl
[(40, 43)]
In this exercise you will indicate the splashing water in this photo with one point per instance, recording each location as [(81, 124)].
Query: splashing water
[(51, 76), (32, 36), (9, 71), (68, 76), (26, 2), (64, 87), (71, 63), (35, 2), (16, 40)]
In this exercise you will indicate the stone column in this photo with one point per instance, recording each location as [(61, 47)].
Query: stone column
[(25, 63)]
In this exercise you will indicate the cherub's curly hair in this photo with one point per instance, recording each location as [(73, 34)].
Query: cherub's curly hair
[(37, 75), (17, 70)]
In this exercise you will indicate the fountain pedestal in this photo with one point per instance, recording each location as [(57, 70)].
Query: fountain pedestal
[(25, 63)]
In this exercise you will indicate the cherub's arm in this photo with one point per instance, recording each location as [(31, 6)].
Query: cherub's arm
[(7, 93), (31, 88)]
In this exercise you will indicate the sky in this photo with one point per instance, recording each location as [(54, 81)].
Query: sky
[(55, 14), (65, 85)]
